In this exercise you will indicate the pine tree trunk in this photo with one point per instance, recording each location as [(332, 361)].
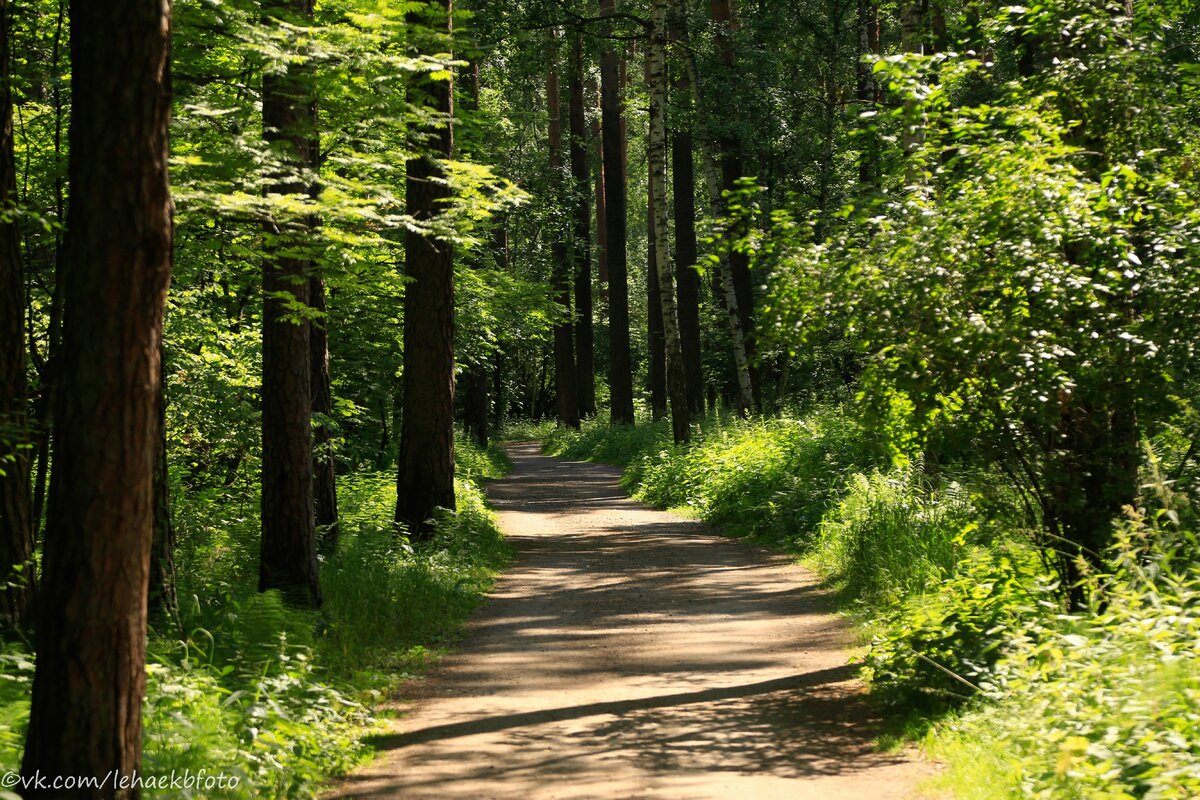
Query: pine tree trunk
[(868, 91), (476, 383), (683, 190), (565, 388), (656, 369), (288, 556), (16, 510), (161, 598), (657, 158), (425, 477), (620, 368), (585, 349), (325, 505), (601, 212), (86, 713)]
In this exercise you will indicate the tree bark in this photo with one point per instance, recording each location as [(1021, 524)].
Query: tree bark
[(565, 387), (585, 349), (730, 146), (722, 278), (325, 505), (868, 90), (16, 442), (288, 555), (683, 190), (620, 369), (656, 369), (425, 477), (657, 158), (86, 713), (163, 603), (601, 212)]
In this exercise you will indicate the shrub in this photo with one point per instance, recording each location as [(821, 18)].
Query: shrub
[(937, 647), (1103, 704)]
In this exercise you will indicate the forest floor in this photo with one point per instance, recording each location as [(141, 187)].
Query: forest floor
[(631, 653)]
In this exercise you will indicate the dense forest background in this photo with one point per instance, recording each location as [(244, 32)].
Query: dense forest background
[(909, 288)]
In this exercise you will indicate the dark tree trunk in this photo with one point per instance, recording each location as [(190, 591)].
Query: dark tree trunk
[(585, 355), (45, 405), (325, 504), (620, 369), (601, 213), (475, 375), (683, 184), (656, 159), (16, 511), (288, 555), (565, 388), (475, 408), (868, 92), (656, 370), (86, 713), (162, 601), (425, 478)]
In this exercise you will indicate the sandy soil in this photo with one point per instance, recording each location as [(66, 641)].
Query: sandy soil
[(630, 653)]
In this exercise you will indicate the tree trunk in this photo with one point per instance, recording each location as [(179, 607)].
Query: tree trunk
[(86, 713), (45, 405), (657, 158), (620, 369), (601, 212), (656, 369), (683, 185), (585, 349), (288, 556), (325, 504), (565, 388), (730, 147), (16, 511), (161, 598), (868, 91), (425, 477), (722, 278)]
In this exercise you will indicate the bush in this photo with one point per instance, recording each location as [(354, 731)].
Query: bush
[(1104, 704), (937, 647)]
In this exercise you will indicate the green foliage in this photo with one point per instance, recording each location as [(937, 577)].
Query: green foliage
[(894, 534), (279, 697), (598, 440), (773, 477), (387, 603), (938, 645), (1095, 705)]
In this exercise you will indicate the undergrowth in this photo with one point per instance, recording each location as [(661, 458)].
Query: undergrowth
[(244, 686)]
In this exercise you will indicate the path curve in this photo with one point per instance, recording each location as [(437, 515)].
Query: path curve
[(630, 653)]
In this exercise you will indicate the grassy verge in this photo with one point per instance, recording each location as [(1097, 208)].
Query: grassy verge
[(281, 698), (970, 649)]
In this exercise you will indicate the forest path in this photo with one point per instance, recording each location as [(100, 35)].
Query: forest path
[(629, 653)]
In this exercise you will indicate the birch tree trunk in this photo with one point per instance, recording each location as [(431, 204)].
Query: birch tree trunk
[(712, 180)]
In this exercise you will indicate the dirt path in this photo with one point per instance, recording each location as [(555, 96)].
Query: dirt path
[(632, 653)]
